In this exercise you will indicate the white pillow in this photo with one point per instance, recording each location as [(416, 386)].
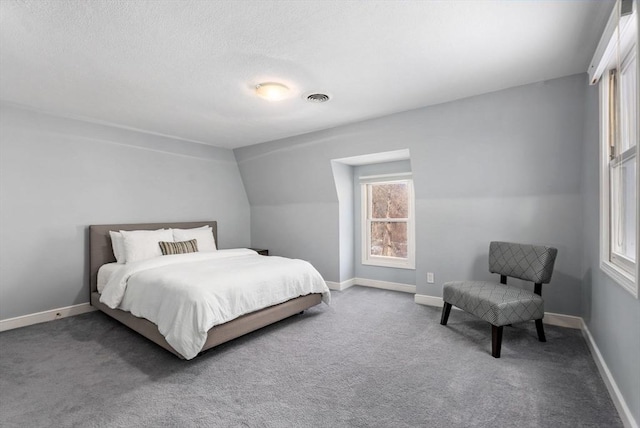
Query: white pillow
[(204, 236), (143, 244), (117, 243)]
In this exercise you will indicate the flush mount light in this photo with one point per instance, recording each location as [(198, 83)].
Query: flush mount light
[(272, 91)]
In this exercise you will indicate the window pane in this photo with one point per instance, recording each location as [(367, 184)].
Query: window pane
[(389, 239), (389, 200), (628, 96), (623, 208)]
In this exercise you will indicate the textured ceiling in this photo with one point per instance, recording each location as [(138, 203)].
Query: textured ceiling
[(187, 68)]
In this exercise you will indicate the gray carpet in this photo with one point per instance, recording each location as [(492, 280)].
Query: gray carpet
[(372, 359)]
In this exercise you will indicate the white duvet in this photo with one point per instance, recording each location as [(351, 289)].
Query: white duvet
[(187, 294)]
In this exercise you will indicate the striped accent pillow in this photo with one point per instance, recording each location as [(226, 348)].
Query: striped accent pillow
[(181, 247)]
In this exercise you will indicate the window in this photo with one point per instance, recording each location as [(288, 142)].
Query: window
[(623, 163), (617, 72), (388, 221)]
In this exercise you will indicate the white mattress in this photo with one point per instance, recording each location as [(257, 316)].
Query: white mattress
[(105, 272)]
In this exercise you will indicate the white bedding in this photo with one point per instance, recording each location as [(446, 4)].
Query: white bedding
[(187, 294), (105, 272)]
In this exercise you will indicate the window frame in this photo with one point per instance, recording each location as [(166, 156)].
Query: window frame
[(619, 46), (365, 197)]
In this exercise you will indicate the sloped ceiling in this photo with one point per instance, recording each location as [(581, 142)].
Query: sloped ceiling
[(188, 68)]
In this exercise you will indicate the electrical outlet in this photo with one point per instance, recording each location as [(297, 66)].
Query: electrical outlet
[(430, 279)]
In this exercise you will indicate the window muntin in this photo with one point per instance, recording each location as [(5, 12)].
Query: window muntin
[(388, 225)]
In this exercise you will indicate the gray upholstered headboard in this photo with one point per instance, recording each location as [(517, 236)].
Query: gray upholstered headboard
[(101, 252)]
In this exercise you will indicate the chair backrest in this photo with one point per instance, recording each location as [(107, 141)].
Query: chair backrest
[(528, 262)]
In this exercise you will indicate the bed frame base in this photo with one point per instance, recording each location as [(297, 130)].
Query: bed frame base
[(218, 334)]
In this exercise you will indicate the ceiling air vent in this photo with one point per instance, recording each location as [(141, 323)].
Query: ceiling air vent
[(318, 98)]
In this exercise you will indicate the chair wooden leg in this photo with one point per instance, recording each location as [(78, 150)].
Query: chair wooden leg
[(496, 340), (446, 309), (540, 330)]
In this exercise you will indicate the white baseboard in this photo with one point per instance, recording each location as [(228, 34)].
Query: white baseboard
[(550, 318), (340, 286), (374, 283), (333, 285), (53, 314), (385, 285), (562, 320), (424, 299), (617, 397)]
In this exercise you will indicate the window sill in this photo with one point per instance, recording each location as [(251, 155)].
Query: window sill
[(389, 264), (622, 278)]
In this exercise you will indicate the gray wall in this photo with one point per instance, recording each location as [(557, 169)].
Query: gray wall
[(504, 165), (343, 177), (57, 176), (294, 204), (402, 276), (611, 313)]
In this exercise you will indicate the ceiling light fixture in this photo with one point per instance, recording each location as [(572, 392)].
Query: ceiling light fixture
[(272, 91)]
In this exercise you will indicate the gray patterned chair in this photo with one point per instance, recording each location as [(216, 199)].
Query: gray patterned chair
[(502, 304)]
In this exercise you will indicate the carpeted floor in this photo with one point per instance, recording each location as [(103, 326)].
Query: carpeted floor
[(372, 359)]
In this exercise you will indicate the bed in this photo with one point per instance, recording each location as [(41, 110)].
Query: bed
[(101, 253)]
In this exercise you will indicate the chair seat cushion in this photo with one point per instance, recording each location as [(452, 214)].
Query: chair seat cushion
[(498, 304)]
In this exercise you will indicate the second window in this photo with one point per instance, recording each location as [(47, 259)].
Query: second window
[(388, 221)]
